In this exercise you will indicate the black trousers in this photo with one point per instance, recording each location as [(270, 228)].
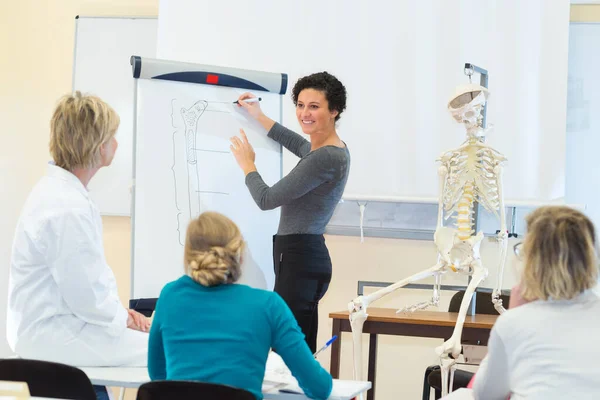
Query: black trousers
[(302, 275)]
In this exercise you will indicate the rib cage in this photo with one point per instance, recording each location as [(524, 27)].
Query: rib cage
[(471, 167)]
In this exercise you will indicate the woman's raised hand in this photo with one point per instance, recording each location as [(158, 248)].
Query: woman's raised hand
[(243, 152), (253, 108)]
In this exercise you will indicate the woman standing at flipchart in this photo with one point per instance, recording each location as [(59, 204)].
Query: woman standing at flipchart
[(307, 196)]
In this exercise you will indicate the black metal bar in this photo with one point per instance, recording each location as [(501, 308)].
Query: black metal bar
[(336, 346), (483, 81), (372, 365)]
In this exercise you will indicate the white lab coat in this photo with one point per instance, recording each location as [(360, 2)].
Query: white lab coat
[(63, 304)]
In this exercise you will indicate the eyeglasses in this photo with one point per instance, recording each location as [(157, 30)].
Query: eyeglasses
[(518, 248)]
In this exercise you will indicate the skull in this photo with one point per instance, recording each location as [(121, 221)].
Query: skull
[(466, 107)]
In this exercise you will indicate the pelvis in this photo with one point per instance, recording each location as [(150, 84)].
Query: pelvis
[(455, 253)]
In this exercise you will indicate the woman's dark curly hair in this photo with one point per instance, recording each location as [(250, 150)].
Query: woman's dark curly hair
[(332, 88)]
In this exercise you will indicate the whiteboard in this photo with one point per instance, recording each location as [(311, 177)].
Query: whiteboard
[(583, 118), (400, 62), (103, 46), (169, 190)]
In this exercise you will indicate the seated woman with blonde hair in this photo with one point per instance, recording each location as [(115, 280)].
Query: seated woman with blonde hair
[(63, 304), (545, 348), (208, 328)]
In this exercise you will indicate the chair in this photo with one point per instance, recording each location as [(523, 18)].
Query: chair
[(48, 379), (144, 306), (183, 390), (433, 375), (434, 381)]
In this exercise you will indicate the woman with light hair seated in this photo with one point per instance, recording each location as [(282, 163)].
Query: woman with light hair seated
[(547, 347), (63, 304), (208, 328)]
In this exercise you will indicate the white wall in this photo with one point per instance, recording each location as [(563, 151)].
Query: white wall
[(583, 122), (401, 61)]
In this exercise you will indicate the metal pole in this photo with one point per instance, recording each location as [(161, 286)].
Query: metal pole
[(469, 70)]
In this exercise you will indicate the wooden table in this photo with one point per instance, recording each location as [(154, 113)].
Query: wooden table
[(385, 321)]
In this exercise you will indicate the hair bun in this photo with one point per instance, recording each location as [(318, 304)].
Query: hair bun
[(212, 250)]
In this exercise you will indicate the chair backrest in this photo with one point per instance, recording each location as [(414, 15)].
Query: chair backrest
[(183, 390), (483, 305), (143, 306), (48, 379)]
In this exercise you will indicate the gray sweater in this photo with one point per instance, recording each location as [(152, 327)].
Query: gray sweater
[(309, 194)]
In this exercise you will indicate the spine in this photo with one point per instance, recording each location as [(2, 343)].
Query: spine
[(464, 219)]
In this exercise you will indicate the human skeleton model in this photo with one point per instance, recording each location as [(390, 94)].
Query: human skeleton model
[(472, 172)]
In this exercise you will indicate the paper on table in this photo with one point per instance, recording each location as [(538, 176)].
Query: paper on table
[(278, 376)]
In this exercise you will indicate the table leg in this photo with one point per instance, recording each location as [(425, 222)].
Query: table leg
[(334, 366), (372, 365)]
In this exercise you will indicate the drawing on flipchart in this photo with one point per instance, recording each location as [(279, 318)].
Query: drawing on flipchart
[(187, 151)]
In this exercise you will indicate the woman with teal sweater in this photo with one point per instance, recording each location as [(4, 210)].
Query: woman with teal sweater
[(208, 328)]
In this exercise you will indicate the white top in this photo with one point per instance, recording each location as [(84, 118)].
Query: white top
[(58, 273), (544, 350)]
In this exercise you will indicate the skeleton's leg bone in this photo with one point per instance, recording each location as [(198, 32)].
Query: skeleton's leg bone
[(358, 312), (446, 364), (453, 345), (452, 371), (357, 321)]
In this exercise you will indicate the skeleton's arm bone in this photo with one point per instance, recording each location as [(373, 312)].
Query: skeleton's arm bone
[(499, 172), (503, 242), (442, 174)]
